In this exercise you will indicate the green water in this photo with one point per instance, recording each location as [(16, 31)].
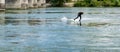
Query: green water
[(42, 30)]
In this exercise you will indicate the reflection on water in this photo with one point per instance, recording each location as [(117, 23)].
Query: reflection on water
[(30, 21), (42, 30)]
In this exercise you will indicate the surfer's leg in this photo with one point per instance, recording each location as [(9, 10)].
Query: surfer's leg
[(80, 21), (80, 24)]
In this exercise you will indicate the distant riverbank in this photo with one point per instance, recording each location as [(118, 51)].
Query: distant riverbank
[(95, 3), (86, 3)]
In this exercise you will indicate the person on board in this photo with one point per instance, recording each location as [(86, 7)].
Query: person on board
[(79, 15)]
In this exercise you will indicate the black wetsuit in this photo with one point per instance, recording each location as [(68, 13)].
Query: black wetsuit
[(79, 15)]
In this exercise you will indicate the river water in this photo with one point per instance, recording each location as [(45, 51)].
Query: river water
[(46, 30)]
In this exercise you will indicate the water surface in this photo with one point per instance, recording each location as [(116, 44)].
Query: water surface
[(41, 30)]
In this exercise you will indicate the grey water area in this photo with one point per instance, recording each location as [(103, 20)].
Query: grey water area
[(45, 30)]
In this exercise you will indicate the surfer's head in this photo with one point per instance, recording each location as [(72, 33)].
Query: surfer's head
[(80, 13)]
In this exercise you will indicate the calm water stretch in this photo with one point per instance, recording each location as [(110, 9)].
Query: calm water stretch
[(49, 30)]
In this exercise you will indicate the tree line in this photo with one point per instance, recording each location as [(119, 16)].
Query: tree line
[(58, 3), (98, 3), (88, 3)]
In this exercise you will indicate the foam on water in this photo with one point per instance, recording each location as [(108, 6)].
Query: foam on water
[(69, 21), (86, 21), (65, 19)]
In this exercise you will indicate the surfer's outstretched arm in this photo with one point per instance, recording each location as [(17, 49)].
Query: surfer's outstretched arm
[(76, 17)]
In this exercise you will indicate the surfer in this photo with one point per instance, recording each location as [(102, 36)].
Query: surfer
[(79, 15)]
